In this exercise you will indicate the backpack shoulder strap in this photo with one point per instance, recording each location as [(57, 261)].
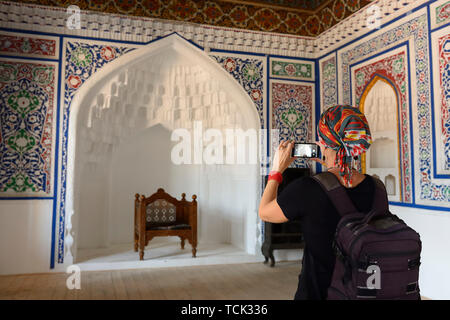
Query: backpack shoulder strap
[(344, 205), (380, 204), (335, 192)]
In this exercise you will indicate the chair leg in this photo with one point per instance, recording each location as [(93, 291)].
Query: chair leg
[(194, 247), (193, 242), (141, 247), (182, 243), (136, 243)]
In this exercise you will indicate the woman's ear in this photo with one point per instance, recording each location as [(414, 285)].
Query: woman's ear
[(330, 156)]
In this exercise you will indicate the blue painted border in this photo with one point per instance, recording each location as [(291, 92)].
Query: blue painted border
[(318, 107), (413, 173), (28, 58), (27, 198), (55, 184), (295, 80), (439, 28), (419, 206)]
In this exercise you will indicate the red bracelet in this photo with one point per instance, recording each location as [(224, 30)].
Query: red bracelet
[(275, 175)]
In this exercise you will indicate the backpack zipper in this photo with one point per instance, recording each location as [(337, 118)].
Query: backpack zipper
[(373, 258), (372, 231), (393, 254)]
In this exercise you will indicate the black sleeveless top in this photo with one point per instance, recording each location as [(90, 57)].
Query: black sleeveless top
[(304, 200)]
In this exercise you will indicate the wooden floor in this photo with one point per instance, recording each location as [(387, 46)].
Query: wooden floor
[(234, 281)]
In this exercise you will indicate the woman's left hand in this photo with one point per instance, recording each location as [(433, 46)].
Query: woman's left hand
[(283, 158)]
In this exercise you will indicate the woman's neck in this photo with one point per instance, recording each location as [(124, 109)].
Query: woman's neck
[(357, 177)]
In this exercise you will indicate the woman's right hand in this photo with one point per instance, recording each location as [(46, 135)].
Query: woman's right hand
[(282, 158)]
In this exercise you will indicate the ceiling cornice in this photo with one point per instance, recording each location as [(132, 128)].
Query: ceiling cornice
[(248, 15), (142, 30)]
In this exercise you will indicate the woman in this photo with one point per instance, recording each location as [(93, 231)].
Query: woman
[(344, 134)]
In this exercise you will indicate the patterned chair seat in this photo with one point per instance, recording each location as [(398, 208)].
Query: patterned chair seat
[(169, 227)]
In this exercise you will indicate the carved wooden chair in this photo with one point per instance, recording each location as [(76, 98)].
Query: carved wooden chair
[(163, 215)]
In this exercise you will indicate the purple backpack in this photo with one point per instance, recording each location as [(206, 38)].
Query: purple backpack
[(377, 254)]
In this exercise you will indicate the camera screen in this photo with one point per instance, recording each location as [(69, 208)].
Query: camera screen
[(305, 150)]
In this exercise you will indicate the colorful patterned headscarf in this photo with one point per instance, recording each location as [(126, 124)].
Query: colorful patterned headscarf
[(345, 129)]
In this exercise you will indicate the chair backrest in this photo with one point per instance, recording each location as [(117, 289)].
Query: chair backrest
[(162, 209)]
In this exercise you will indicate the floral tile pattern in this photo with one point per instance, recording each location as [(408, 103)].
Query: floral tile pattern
[(444, 68), (328, 83), (443, 13), (250, 75), (28, 46), (27, 96), (291, 69), (292, 112)]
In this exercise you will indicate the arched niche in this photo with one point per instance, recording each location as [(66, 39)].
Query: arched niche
[(379, 102), (121, 119), (389, 182)]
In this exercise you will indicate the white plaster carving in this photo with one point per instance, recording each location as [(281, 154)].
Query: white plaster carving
[(169, 83)]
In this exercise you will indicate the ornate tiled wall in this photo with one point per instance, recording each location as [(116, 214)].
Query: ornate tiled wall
[(26, 45), (439, 13), (291, 69), (444, 97), (423, 138), (328, 81), (250, 72), (292, 105), (441, 59), (393, 68), (282, 88), (28, 99), (292, 100)]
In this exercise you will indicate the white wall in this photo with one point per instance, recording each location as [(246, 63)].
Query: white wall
[(25, 236), (433, 227), (93, 206), (141, 164)]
